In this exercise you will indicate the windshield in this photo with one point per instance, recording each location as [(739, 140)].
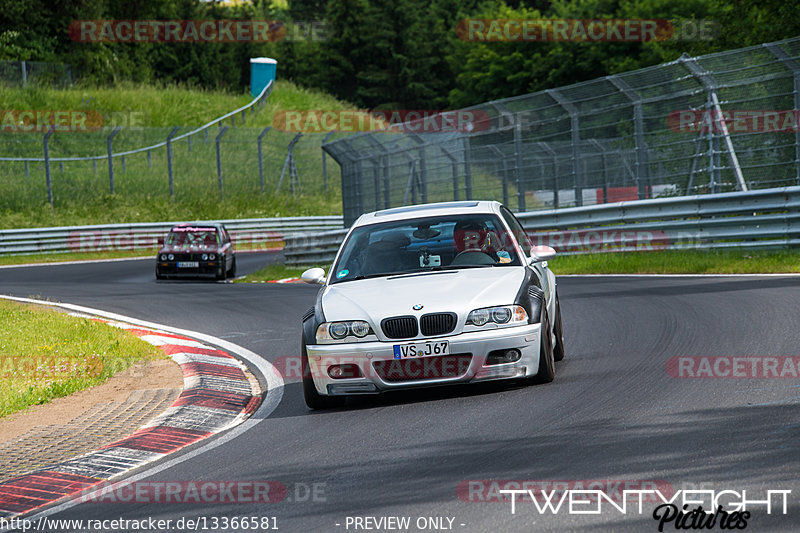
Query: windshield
[(424, 244), (193, 237)]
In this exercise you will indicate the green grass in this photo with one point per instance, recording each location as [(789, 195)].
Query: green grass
[(72, 256), (680, 262), (274, 272), (660, 262), (81, 189), (45, 354)]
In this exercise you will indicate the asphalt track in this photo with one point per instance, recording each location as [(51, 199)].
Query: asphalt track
[(612, 413)]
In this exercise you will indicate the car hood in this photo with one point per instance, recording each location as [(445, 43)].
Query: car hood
[(459, 291)]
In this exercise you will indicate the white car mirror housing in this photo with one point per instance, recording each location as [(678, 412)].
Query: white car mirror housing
[(313, 275), (542, 253)]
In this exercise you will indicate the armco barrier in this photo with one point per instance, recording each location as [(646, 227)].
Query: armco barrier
[(766, 218), (256, 233)]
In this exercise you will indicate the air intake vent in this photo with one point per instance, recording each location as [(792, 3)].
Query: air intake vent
[(400, 327), (437, 324)]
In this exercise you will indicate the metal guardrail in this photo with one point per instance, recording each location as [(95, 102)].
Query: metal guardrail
[(312, 250), (256, 233), (765, 218), (695, 125)]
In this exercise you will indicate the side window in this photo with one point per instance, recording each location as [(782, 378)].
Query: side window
[(517, 230)]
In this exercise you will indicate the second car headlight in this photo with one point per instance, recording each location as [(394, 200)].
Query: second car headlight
[(504, 315), (357, 330)]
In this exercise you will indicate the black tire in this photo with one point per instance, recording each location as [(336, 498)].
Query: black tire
[(222, 273), (232, 271), (547, 366), (158, 274), (315, 400), (558, 331)]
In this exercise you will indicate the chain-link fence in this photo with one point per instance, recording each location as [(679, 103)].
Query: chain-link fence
[(226, 158), (706, 124), (35, 74)]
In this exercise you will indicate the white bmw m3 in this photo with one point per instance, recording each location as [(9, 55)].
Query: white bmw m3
[(431, 295)]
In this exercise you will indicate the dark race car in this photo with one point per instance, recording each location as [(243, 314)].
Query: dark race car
[(196, 251)]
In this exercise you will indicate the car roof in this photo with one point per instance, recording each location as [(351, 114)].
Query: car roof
[(428, 210), (202, 225)]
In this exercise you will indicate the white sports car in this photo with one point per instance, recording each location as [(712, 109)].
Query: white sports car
[(430, 295)]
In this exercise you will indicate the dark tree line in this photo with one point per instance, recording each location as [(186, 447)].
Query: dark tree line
[(377, 53)]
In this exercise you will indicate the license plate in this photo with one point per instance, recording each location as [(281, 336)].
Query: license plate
[(422, 349), (188, 264)]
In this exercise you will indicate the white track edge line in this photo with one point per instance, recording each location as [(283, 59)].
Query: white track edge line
[(274, 392)]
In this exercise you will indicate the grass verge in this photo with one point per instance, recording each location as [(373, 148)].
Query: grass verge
[(663, 262), (274, 272), (45, 354), (72, 256), (81, 189), (681, 262)]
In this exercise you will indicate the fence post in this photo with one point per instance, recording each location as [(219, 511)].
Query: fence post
[(219, 160), (244, 116), (794, 66), (94, 166), (25, 76), (709, 83), (289, 163), (189, 143), (467, 171), (47, 164), (27, 170), (554, 166), (454, 166), (325, 163), (169, 160), (642, 164), (575, 140), (110, 158), (149, 159), (261, 159)]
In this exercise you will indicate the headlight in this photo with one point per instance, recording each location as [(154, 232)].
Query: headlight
[(204, 257), (212, 256), (163, 257), (171, 257), (503, 315), (338, 331)]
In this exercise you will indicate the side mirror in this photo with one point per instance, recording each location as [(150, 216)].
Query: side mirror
[(313, 275), (542, 253)]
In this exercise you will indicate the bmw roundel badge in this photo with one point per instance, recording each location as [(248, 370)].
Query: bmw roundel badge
[(417, 307)]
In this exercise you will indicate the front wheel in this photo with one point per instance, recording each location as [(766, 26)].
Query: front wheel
[(547, 366), (558, 332), (232, 271), (315, 400)]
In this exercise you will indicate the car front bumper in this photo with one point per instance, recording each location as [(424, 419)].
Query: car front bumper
[(381, 372), (205, 269)]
